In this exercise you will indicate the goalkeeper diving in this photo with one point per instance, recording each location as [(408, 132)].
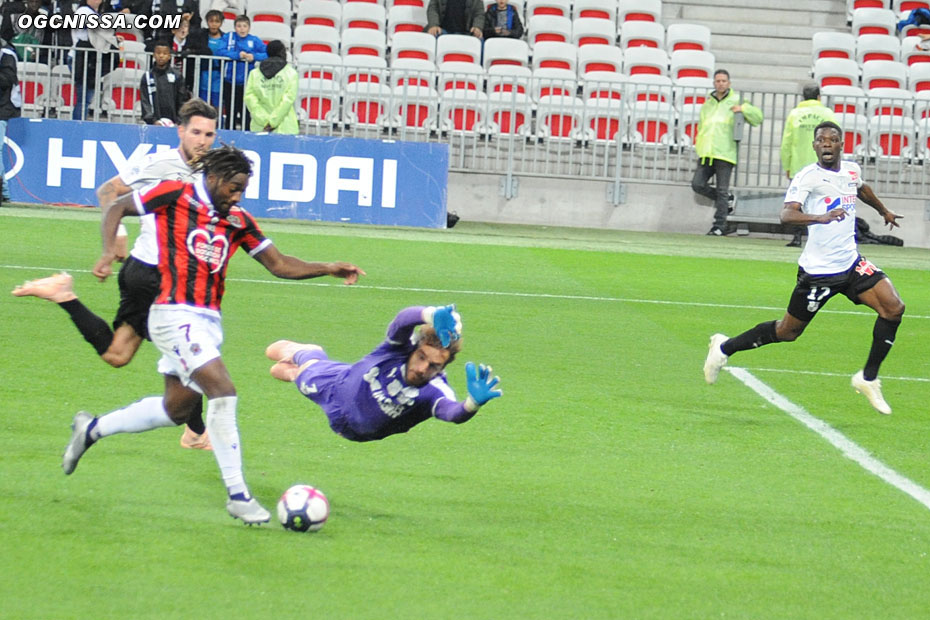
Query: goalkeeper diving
[(395, 387)]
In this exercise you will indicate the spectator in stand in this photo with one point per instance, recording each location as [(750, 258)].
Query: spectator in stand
[(455, 17), (207, 42), (245, 49), (89, 46), (162, 89), (502, 20), (797, 141), (717, 146), (10, 101), (271, 92), (918, 17), (21, 38)]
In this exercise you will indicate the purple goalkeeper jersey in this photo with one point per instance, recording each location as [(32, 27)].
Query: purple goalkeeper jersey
[(370, 399)]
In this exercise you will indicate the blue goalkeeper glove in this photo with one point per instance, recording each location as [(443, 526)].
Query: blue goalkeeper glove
[(480, 385), (447, 323)]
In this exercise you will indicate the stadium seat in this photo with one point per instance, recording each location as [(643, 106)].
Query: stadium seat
[(599, 58), (415, 107), (413, 45), (604, 85), (639, 10), (923, 139), (131, 34), (691, 64), (132, 55), (509, 78), (836, 72), (645, 61), (844, 99), (277, 11), (642, 34), (889, 102), (35, 83), (505, 51), (405, 19), (893, 137), (367, 104), (363, 15), (652, 123), (462, 111), (270, 31), (691, 90), (318, 101), (558, 8), (593, 31), (315, 38), (687, 37), (549, 54), (912, 52), (378, 2), (547, 82), (509, 112), (918, 77), (420, 3), (413, 72), (543, 28), (906, 6), (598, 9), (560, 117), (459, 48), (689, 117), (63, 91), (871, 47), (319, 13), (832, 45), (120, 94), (884, 74), (649, 87), (320, 65), (460, 76), (364, 68), (362, 42), (921, 106), (873, 21), (855, 134), (604, 119)]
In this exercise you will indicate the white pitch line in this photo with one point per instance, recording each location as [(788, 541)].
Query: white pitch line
[(414, 289), (849, 448), (819, 373)]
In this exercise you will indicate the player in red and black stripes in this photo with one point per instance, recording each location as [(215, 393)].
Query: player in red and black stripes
[(199, 227)]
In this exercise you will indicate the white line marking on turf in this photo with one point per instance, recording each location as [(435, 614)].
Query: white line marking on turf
[(819, 373), (414, 289), (849, 448)]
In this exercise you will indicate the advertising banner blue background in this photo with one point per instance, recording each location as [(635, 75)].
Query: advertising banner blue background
[(307, 177)]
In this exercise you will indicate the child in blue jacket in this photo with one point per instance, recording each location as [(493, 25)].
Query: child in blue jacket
[(245, 49)]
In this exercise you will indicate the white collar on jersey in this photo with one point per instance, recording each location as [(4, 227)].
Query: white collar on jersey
[(201, 190)]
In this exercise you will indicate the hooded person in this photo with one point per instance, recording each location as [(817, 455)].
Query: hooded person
[(271, 92)]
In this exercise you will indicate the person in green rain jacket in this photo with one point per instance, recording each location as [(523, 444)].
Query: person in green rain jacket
[(716, 147), (270, 93), (797, 141)]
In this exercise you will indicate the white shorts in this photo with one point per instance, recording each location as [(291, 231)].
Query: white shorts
[(187, 337)]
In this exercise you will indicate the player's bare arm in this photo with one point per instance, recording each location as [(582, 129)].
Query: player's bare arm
[(866, 195), (293, 268), (792, 214), (114, 214), (107, 194)]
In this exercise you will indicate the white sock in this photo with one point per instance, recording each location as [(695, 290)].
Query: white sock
[(224, 435), (142, 415)]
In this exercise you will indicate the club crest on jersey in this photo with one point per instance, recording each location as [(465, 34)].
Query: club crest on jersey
[(195, 348), (211, 250), (234, 217)]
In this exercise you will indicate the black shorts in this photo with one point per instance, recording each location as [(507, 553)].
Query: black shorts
[(138, 287), (812, 292)]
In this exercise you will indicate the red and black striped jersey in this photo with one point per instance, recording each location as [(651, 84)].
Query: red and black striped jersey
[(195, 242)]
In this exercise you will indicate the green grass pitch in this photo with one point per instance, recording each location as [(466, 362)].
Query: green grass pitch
[(609, 481)]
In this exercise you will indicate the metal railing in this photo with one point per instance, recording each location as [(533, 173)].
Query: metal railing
[(512, 122)]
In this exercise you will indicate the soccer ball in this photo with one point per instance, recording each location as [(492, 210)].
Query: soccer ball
[(303, 508)]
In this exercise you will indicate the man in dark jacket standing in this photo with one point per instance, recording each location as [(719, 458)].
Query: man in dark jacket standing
[(162, 88), (455, 17), (10, 101)]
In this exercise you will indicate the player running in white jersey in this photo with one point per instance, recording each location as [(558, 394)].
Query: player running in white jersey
[(138, 278), (822, 197)]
